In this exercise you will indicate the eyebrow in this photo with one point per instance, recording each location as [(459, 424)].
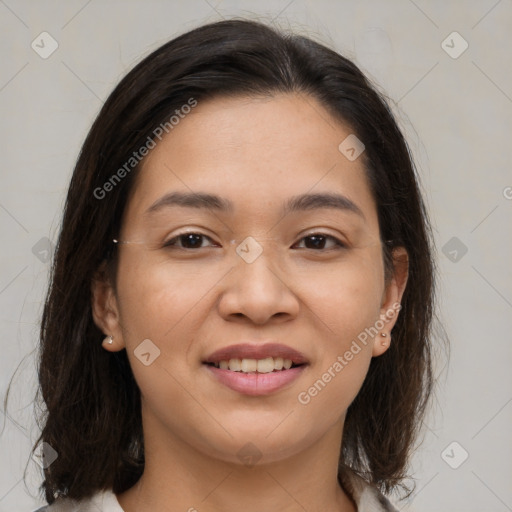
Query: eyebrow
[(303, 202)]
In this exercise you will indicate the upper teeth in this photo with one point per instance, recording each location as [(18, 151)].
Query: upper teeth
[(266, 365)]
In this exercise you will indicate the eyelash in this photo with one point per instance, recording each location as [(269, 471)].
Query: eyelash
[(171, 244)]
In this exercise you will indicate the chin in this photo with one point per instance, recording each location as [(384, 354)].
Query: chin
[(257, 447)]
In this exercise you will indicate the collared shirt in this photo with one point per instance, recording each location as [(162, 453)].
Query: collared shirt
[(366, 497)]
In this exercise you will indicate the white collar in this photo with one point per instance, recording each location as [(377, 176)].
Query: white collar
[(366, 496)]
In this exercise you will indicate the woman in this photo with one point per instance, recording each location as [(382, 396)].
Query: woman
[(241, 298)]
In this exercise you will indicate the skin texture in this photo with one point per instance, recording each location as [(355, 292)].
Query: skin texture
[(257, 152)]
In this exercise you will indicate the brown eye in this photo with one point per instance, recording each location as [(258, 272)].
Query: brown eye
[(317, 241), (187, 240)]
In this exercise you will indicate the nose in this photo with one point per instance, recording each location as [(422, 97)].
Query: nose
[(260, 291)]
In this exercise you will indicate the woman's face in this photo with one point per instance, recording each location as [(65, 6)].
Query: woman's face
[(268, 263)]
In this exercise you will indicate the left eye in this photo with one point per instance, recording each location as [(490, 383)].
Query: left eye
[(318, 241), (194, 241)]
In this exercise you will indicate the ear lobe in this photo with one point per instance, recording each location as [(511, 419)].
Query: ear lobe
[(391, 300), (104, 308)]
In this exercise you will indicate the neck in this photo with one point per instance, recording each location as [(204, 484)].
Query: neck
[(177, 476)]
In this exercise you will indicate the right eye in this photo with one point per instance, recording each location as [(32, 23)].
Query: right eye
[(188, 241)]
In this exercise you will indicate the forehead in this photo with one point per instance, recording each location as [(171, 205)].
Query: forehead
[(256, 152)]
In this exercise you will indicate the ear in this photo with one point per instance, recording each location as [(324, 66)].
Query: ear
[(391, 298), (105, 310)]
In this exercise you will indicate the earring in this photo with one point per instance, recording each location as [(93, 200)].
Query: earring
[(109, 339), (383, 342)]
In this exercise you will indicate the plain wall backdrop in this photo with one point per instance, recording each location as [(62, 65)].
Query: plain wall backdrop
[(445, 66)]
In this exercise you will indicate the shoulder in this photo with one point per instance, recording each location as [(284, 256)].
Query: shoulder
[(101, 501), (367, 497)]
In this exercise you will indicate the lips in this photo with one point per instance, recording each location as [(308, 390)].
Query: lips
[(259, 351), (256, 370), (256, 384)]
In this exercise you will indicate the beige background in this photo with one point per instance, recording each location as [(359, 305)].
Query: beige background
[(457, 115)]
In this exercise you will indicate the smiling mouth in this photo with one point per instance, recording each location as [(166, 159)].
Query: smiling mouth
[(266, 365)]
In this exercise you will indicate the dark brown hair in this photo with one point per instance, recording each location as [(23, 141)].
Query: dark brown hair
[(92, 403)]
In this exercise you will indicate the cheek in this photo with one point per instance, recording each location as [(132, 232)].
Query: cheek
[(348, 297), (348, 307), (168, 304), (155, 297), (162, 305)]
